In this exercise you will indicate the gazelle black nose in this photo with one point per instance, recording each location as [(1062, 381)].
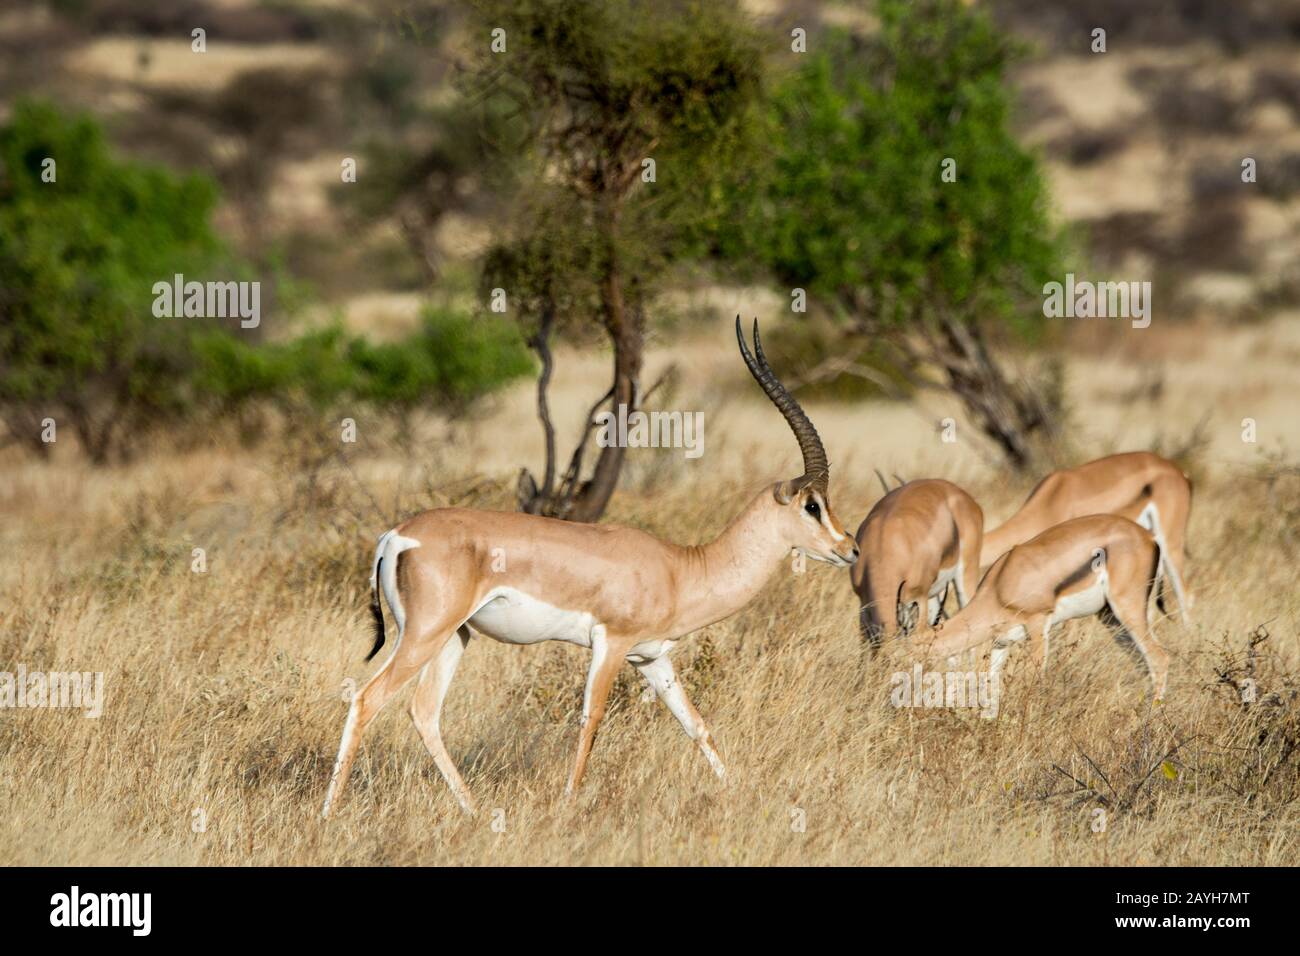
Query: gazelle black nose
[(856, 552)]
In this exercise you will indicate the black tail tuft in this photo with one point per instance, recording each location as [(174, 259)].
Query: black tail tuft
[(378, 613)]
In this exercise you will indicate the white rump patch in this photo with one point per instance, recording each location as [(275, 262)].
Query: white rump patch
[(391, 544)]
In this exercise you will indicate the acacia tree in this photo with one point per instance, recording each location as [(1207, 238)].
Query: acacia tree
[(626, 104), (851, 203)]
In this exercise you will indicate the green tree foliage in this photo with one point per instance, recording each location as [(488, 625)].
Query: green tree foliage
[(78, 260), (79, 343), (850, 202), (853, 206), (632, 110), (452, 360)]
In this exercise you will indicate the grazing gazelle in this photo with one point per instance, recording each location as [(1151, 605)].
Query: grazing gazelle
[(1075, 569), (917, 540), (626, 595), (1137, 485)]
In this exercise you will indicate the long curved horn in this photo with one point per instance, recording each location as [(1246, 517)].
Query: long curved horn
[(816, 469)]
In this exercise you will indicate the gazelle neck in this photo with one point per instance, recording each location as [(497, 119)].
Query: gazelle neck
[(977, 622), (729, 572)]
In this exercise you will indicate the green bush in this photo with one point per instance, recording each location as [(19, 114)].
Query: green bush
[(79, 342), (78, 260), (453, 359), (849, 202), (830, 366), (894, 192), (311, 368)]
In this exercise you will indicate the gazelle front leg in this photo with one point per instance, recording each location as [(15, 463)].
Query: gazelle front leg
[(1027, 629), (934, 607), (600, 678), (659, 674), (1037, 630)]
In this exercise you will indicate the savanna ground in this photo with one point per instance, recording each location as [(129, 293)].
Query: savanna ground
[(225, 690)]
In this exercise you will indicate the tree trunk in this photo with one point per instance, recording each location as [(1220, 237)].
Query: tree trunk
[(1013, 415), (575, 499), (625, 333), (1016, 416), (532, 499), (417, 230)]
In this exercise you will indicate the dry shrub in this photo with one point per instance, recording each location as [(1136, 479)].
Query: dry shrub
[(1280, 85), (1157, 22), (1184, 102), (1111, 238), (1087, 147), (1212, 237)]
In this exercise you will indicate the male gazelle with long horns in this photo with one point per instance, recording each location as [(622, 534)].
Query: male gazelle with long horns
[(623, 593), (916, 542), (1081, 567), (1139, 485)]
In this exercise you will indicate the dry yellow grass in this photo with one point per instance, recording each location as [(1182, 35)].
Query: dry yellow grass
[(224, 689)]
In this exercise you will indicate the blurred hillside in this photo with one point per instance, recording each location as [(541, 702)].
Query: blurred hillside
[(1143, 143)]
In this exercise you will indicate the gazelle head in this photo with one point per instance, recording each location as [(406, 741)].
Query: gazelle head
[(805, 508)]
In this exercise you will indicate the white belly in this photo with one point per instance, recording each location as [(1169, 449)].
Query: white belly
[(517, 618), (1081, 603)]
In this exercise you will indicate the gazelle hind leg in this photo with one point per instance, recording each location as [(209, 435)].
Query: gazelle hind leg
[(659, 674), (1174, 526), (1044, 645), (909, 614), (426, 711), (1169, 572), (878, 620), (997, 661), (366, 705), (417, 642), (1036, 631), (1171, 561), (1130, 610)]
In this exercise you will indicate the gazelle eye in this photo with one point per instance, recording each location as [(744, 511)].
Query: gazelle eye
[(812, 508)]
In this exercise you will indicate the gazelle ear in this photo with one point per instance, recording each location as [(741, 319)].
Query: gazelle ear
[(784, 491)]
